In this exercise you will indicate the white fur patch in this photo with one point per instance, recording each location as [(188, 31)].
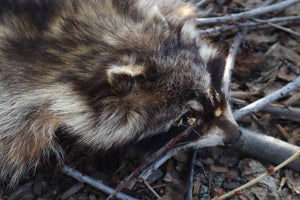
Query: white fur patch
[(5, 31), (207, 52), (189, 31), (213, 138), (151, 10), (110, 39), (132, 70)]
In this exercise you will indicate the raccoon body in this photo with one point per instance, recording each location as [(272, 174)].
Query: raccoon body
[(112, 71)]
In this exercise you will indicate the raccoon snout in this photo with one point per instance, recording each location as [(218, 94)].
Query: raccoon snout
[(232, 138)]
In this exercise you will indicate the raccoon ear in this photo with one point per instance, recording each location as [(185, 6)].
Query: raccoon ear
[(123, 78)]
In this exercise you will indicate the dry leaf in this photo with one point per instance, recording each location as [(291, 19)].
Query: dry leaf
[(260, 38), (285, 74)]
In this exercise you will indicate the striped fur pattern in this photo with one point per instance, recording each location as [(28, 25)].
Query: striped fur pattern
[(113, 71)]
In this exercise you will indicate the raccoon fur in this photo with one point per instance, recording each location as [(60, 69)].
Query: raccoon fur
[(111, 71)]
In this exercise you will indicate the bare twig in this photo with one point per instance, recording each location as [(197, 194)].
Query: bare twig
[(280, 111), (282, 131), (268, 173), (248, 14), (279, 27), (95, 183), (230, 60), (155, 165), (259, 104), (191, 176), (289, 113), (291, 67), (216, 31), (285, 29), (151, 189), (153, 157)]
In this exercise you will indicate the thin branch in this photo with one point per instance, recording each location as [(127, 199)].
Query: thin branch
[(290, 113), (268, 173), (216, 31), (152, 158), (279, 27), (230, 60), (259, 104), (94, 182), (155, 165), (191, 176), (283, 132), (151, 189), (285, 29), (291, 67), (248, 14)]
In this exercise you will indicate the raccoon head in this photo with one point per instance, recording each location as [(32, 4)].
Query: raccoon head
[(153, 92)]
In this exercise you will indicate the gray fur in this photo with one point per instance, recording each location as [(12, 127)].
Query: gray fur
[(113, 71)]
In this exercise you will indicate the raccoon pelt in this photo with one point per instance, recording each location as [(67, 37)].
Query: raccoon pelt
[(112, 71)]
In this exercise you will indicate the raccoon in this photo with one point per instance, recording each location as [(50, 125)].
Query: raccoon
[(109, 71)]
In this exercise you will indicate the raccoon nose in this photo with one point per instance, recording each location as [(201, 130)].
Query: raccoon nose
[(232, 138)]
